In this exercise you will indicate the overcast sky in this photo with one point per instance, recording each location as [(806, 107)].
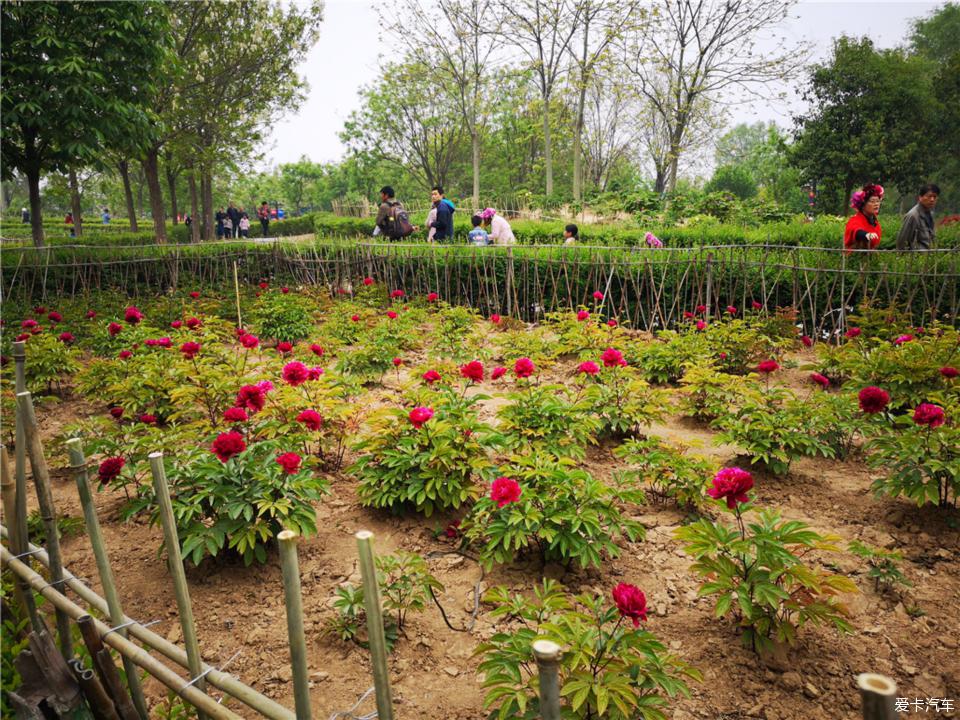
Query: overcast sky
[(345, 58)]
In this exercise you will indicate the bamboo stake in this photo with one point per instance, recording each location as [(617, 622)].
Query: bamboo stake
[(141, 657), (105, 669), (100, 704), (230, 685), (236, 289), (878, 694), (182, 592), (547, 654), (378, 643), (294, 602), (22, 536), (8, 491), (79, 465), (41, 478)]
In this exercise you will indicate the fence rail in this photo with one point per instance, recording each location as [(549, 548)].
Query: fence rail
[(650, 289)]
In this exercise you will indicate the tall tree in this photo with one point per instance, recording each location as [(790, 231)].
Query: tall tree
[(90, 92), (696, 51), (541, 30), (856, 129)]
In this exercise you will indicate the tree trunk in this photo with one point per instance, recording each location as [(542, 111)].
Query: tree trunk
[(172, 185), (475, 141), (124, 168), (206, 182), (75, 204), (36, 208), (577, 148), (547, 155), (152, 174), (195, 226)]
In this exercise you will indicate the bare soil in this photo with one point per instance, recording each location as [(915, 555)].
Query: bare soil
[(911, 635)]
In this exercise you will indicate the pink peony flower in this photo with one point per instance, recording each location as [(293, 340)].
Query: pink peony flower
[(820, 380), (355, 318), (54, 317), (432, 297), (66, 338), (903, 339), (28, 324), (768, 366), (397, 294), (397, 362), (285, 290), (420, 415), (193, 323), (125, 355), (701, 326), (756, 305), (310, 418), (930, 415), (687, 315), (611, 323), (701, 309), (472, 371), (612, 357), (731, 310), (852, 333), (495, 319), (228, 445), (264, 285), (524, 368), (284, 347), (165, 342), (949, 372), (190, 349), (148, 419), (807, 342), (731, 484), (631, 602), (91, 314), (132, 315), (251, 397), (176, 324), (249, 341), (116, 412), (431, 376), (583, 315), (316, 350), (290, 462), (597, 295), (589, 368), (295, 373), (498, 372), (194, 294), (391, 314), (504, 491), (873, 399), (314, 373), (368, 281), (235, 414)]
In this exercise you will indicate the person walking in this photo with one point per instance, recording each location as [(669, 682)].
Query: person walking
[(234, 214), (917, 231), (24, 216), (443, 223), (500, 231), (863, 231), (188, 223), (244, 225), (105, 216), (68, 220), (392, 220), (263, 212), (219, 216)]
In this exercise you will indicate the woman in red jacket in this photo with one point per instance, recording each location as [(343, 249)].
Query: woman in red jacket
[(863, 229)]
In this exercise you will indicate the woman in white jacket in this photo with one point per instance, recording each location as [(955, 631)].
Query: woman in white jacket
[(498, 227)]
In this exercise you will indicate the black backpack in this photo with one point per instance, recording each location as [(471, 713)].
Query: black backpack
[(398, 223)]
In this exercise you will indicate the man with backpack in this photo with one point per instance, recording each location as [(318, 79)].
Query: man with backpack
[(392, 220)]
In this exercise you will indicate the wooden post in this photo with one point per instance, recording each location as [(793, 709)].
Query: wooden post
[(509, 281), (294, 602), (878, 694), (20, 454), (378, 643), (236, 290), (103, 665), (79, 465), (547, 654), (709, 302), (172, 543), (8, 490), (101, 706), (41, 478)]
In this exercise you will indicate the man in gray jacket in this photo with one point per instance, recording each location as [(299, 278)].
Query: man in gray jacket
[(917, 231)]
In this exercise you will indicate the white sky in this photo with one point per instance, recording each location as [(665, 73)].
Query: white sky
[(345, 58)]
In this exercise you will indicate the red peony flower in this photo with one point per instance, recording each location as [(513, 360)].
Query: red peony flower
[(391, 314), (731, 484), (504, 491), (249, 341), (54, 317), (190, 349), (453, 529), (949, 372), (28, 324), (125, 355), (495, 319), (314, 373), (731, 310), (132, 315), (368, 281), (355, 318), (419, 415), (116, 412), (228, 445), (40, 310), (110, 469), (687, 315), (290, 462), (432, 297), (583, 315), (756, 305), (768, 366), (524, 368), (148, 419), (903, 339), (498, 372), (235, 414), (285, 290), (930, 415), (472, 371), (66, 337), (193, 323), (264, 285), (611, 323), (820, 380), (295, 373), (722, 356), (310, 418), (807, 342), (397, 294), (22, 337), (631, 602), (852, 333), (176, 324), (873, 399), (589, 368), (597, 295), (165, 342), (91, 314), (701, 326), (151, 342), (316, 350), (194, 294), (701, 309), (431, 376), (251, 397), (612, 357), (284, 346)]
